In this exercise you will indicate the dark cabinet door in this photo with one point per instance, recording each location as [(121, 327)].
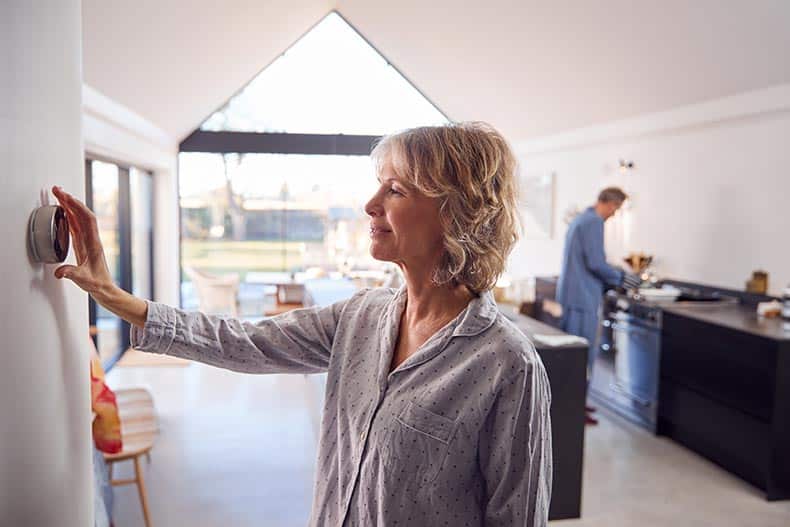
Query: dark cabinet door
[(733, 368)]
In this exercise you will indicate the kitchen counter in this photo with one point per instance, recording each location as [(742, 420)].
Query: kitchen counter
[(735, 316), (530, 327)]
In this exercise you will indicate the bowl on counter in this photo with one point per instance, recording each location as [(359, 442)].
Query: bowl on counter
[(665, 293)]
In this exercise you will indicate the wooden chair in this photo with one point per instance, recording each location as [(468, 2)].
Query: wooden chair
[(139, 427)]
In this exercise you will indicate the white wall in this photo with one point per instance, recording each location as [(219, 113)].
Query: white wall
[(711, 189), (114, 132), (45, 442)]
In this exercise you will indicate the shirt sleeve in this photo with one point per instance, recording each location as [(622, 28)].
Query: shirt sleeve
[(594, 256), (515, 452), (299, 341)]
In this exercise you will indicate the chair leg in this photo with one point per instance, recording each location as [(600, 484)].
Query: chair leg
[(138, 471)]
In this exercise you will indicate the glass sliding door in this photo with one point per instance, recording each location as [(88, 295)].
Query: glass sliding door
[(104, 200), (121, 198)]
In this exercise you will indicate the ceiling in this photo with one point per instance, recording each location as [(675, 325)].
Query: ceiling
[(529, 67)]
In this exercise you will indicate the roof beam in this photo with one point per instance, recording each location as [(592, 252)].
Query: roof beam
[(278, 143)]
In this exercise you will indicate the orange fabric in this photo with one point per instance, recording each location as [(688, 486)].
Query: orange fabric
[(107, 423)]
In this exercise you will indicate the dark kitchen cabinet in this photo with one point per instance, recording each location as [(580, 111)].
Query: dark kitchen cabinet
[(725, 393), (566, 368)]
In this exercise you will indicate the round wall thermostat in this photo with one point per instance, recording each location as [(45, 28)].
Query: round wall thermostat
[(49, 234)]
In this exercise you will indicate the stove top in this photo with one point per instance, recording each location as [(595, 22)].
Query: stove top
[(639, 307)]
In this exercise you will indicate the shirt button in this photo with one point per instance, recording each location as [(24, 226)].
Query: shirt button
[(362, 436)]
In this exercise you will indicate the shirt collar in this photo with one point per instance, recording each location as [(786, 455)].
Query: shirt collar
[(478, 316)]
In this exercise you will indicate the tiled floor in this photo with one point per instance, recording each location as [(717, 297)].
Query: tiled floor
[(238, 450)]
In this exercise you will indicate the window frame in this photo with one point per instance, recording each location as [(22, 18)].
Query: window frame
[(247, 142), (125, 265)]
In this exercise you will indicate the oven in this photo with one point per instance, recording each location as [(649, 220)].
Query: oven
[(625, 373), (634, 387)]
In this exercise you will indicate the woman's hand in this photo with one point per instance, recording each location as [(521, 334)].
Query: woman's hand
[(91, 273)]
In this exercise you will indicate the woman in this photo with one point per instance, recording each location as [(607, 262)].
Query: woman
[(437, 407)]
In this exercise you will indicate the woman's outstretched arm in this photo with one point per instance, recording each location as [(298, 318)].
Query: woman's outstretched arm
[(296, 342)]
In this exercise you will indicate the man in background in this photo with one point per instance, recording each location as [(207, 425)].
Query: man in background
[(585, 274)]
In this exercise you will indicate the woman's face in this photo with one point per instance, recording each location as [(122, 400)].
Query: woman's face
[(404, 223)]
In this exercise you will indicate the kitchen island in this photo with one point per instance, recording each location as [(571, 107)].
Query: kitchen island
[(566, 367)]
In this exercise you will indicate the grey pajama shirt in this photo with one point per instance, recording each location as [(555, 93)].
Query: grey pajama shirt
[(457, 435)]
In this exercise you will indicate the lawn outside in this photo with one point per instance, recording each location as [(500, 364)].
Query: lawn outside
[(226, 256)]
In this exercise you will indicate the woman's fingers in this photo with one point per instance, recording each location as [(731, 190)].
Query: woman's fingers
[(74, 224), (76, 236), (74, 202), (65, 271), (84, 279), (78, 240), (82, 223), (67, 202), (84, 216), (91, 270)]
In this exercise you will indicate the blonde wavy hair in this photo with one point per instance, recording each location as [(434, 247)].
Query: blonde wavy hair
[(471, 169)]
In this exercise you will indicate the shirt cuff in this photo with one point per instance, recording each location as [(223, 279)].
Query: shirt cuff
[(159, 331)]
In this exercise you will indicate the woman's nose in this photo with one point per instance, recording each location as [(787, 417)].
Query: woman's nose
[(373, 206)]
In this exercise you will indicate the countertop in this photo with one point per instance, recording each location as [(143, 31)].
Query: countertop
[(531, 327), (739, 317)]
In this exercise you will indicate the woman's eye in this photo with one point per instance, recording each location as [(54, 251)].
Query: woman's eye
[(393, 191)]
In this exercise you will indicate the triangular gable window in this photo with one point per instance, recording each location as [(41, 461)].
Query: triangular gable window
[(273, 184), (332, 81)]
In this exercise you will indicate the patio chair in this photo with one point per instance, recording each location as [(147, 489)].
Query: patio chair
[(217, 295)]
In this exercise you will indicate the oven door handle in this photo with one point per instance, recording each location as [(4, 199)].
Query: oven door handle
[(619, 388), (630, 329)]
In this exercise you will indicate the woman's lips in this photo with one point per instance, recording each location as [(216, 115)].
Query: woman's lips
[(377, 231)]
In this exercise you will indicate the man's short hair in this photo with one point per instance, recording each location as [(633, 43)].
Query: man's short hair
[(612, 194)]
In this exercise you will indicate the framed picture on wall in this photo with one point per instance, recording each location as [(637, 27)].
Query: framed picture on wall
[(537, 205)]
